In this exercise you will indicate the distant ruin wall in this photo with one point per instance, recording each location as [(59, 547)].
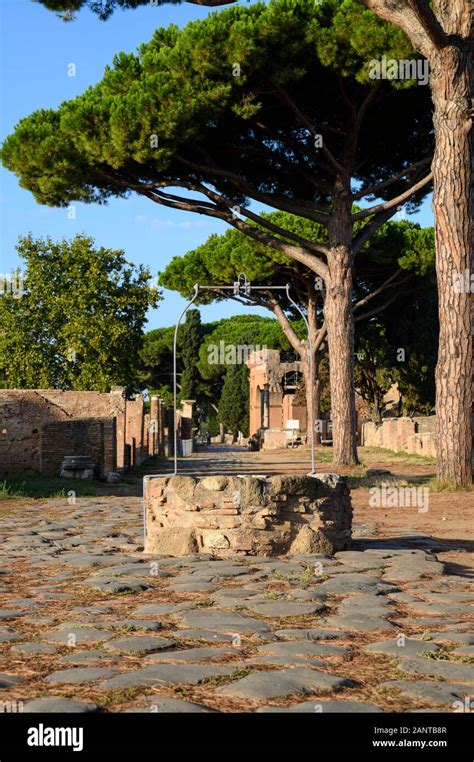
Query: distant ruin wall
[(416, 436), (92, 436), (25, 412)]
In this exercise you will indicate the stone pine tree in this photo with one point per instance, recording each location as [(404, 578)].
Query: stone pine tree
[(67, 9), (443, 31), (271, 104), (190, 341), (80, 320), (234, 402), (387, 268)]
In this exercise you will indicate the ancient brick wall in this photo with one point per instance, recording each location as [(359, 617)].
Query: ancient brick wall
[(90, 436), (23, 412), (416, 436)]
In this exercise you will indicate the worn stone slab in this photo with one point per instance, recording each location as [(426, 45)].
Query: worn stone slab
[(359, 623), (33, 648), (349, 583), (401, 648), (454, 671), (222, 620), (81, 634), (160, 609), (324, 707), (208, 636), (283, 682), (284, 609), (139, 644), (165, 704), (453, 636), (58, 705), (88, 657), (8, 681), (301, 648), (168, 674), (114, 585), (204, 653), (77, 675), (436, 692), (309, 634)]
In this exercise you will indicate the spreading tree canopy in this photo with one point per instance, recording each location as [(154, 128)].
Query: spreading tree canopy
[(271, 103), (79, 322)]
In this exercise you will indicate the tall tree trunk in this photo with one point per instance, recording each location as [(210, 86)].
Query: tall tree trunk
[(451, 80), (339, 319), (443, 33), (340, 327)]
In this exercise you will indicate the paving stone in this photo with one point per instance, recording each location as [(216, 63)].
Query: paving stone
[(310, 634), (82, 634), (454, 671), (446, 609), (8, 681), (168, 674), (33, 648), (453, 636), (342, 706), (114, 585), (132, 624), (301, 648), (349, 583), (282, 682), (306, 595), (283, 660), (465, 651), (222, 620), (436, 692), (10, 614), (283, 609), (88, 657), (359, 623), (407, 647), (209, 636), (77, 675), (160, 609), (9, 635), (360, 559), (164, 704), (192, 587), (136, 569), (193, 655), (139, 644), (58, 705)]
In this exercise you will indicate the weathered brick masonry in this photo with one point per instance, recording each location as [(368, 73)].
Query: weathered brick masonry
[(38, 427), (247, 514)]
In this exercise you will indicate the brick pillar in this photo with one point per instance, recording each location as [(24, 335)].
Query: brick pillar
[(154, 422)]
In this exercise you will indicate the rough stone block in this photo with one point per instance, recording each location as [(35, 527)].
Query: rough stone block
[(314, 517)]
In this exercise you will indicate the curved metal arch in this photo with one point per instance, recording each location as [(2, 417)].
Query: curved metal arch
[(175, 395)]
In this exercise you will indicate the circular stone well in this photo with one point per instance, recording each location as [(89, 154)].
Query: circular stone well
[(248, 515)]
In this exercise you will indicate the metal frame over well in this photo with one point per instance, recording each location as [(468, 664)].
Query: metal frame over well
[(244, 287)]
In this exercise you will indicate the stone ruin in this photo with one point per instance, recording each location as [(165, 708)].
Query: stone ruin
[(247, 515)]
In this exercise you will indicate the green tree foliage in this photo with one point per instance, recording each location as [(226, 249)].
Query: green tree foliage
[(67, 9), (80, 320), (234, 402), (189, 351)]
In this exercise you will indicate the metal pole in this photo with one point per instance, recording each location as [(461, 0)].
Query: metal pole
[(311, 391), (175, 396)]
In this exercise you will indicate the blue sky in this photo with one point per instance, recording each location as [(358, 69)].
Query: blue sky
[(36, 50)]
